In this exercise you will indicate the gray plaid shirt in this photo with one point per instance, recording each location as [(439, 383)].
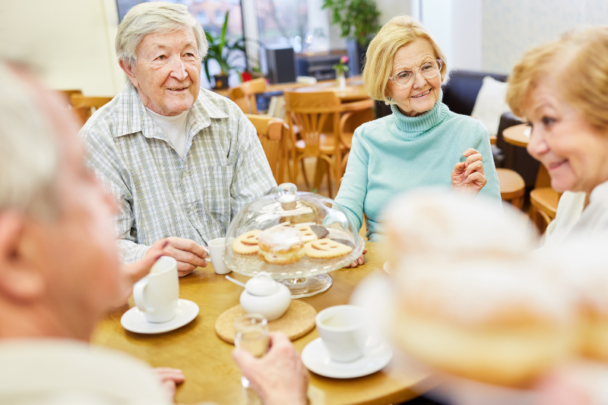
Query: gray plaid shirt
[(163, 195)]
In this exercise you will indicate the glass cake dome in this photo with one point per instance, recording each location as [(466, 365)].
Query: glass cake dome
[(296, 237)]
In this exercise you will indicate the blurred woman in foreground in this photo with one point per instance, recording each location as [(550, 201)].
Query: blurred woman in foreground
[(561, 89)]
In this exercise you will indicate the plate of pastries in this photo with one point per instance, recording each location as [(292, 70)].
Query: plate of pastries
[(290, 235)]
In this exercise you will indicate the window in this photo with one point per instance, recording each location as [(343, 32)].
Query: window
[(202, 18), (282, 22), (210, 14)]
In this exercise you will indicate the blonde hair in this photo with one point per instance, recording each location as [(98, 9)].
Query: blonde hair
[(381, 51), (148, 18), (579, 63)]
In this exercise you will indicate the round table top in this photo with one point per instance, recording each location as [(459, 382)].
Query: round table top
[(516, 135), (354, 90), (206, 360)]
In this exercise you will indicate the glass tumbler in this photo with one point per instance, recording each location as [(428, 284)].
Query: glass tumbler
[(251, 334)]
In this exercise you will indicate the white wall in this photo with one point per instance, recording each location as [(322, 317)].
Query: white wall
[(72, 42), (456, 26), (393, 8), (510, 27)]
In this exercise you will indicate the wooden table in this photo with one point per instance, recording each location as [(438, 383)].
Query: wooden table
[(354, 90), (212, 375), (515, 136)]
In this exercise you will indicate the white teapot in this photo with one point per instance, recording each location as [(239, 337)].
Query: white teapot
[(265, 296)]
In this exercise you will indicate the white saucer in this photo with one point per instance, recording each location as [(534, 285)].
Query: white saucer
[(316, 358), (135, 321)]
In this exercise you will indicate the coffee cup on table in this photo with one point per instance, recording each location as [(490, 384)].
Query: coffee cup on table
[(216, 251), (157, 294), (344, 331)]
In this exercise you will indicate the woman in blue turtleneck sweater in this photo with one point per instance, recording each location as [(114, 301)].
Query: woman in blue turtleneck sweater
[(422, 143)]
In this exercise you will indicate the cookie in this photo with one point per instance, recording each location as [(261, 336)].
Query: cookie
[(343, 241), (326, 249), (307, 233), (247, 243)]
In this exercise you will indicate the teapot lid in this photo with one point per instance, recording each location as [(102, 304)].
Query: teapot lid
[(262, 285)]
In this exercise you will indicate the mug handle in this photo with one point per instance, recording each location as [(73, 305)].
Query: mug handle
[(138, 295)]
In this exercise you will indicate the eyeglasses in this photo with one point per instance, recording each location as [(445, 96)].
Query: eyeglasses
[(427, 70)]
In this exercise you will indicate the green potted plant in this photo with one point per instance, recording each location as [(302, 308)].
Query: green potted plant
[(224, 51), (358, 21)]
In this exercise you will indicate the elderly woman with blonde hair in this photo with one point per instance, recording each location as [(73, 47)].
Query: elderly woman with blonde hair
[(561, 89), (422, 143)]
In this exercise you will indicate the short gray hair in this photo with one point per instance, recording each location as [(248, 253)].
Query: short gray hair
[(148, 18), (30, 151)]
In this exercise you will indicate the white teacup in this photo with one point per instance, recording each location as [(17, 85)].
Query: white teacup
[(216, 251), (344, 331), (157, 294)]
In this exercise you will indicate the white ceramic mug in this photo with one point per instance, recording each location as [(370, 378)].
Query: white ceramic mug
[(344, 331), (216, 251), (157, 294)]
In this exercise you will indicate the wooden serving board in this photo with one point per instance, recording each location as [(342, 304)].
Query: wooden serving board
[(295, 323)]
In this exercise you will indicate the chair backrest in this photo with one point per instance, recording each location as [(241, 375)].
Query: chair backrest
[(244, 94), (310, 111), (85, 106), (69, 93), (273, 139)]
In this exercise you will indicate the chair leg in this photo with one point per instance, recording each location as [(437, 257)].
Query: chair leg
[(329, 188), (294, 177), (320, 169), (304, 174)]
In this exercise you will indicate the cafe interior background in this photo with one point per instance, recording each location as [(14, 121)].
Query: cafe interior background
[(76, 37)]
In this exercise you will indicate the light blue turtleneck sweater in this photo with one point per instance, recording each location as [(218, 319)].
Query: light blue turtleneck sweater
[(395, 154)]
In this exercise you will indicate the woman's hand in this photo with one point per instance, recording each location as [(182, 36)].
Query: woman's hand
[(169, 379), (280, 376), (359, 261), (469, 175)]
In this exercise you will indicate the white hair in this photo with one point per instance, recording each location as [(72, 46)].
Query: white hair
[(148, 18), (29, 151)]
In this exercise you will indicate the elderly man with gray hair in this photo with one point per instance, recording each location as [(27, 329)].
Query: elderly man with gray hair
[(60, 273), (182, 160)]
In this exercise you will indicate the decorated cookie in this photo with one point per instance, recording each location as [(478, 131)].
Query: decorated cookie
[(247, 243), (326, 249), (344, 242), (307, 233)]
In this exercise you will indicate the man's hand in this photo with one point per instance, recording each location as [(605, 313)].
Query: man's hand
[(358, 262), (189, 254), (279, 377), (169, 378), (469, 175)]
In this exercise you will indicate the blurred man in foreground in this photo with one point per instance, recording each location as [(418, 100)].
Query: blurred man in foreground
[(60, 271)]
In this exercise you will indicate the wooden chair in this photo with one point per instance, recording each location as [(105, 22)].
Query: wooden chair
[(68, 94), (85, 106), (512, 187), (543, 206), (244, 95), (310, 111), (273, 134)]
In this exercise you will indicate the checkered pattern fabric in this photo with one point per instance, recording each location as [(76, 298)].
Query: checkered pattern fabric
[(162, 195)]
